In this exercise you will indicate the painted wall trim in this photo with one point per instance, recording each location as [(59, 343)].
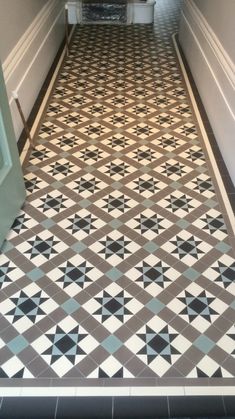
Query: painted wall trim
[(36, 49), (24, 43), (214, 74), (221, 54)]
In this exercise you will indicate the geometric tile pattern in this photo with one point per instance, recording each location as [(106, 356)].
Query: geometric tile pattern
[(121, 263)]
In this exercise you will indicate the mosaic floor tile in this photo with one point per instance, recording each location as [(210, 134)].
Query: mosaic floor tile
[(41, 248), (64, 345), (187, 248), (197, 306), (158, 345), (74, 275), (120, 266), (114, 248), (26, 307), (113, 307)]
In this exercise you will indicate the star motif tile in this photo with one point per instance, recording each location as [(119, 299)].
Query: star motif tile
[(41, 247), (165, 120), (27, 307), (113, 307), (49, 128), (179, 203), (64, 345), (97, 109), (187, 247), (202, 184), (153, 275), (117, 169), (182, 109), (222, 272), (187, 130), (118, 142), (144, 155), (119, 101), (52, 203), (33, 183), (91, 154), (120, 265), (67, 141), (142, 130), (149, 224), (141, 110), (81, 224), (157, 345), (21, 224), (161, 101), (94, 130), (146, 185), (72, 119), (9, 272), (61, 92), (213, 223), (168, 142), (87, 185), (119, 119), (41, 154), (194, 154), (173, 169), (60, 169), (116, 204), (55, 109), (77, 100), (74, 275), (197, 307), (114, 248)]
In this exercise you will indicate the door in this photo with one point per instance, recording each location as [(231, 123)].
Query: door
[(12, 190)]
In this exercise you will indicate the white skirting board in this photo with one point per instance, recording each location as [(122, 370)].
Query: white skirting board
[(27, 66), (214, 74)]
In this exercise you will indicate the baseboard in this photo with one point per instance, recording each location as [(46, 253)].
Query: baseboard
[(27, 65), (214, 74)]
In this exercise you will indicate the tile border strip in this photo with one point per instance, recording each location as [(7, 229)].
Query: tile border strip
[(114, 391)]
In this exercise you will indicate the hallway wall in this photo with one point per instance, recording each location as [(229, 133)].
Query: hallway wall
[(207, 38), (32, 32)]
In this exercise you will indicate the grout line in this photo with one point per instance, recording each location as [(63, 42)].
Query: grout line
[(56, 407), (224, 405), (168, 406), (112, 412), (218, 177)]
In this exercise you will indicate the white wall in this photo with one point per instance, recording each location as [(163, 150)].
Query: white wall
[(31, 32), (220, 16), (207, 36)]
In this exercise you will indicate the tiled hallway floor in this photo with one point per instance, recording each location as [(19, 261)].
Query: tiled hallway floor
[(120, 267)]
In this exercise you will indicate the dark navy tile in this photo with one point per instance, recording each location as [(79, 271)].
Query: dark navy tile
[(196, 406), (140, 407), (229, 402), (84, 407), (28, 408)]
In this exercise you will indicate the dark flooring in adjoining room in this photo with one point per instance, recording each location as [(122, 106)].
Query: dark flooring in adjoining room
[(119, 270)]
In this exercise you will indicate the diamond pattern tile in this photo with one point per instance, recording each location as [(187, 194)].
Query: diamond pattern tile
[(120, 266)]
